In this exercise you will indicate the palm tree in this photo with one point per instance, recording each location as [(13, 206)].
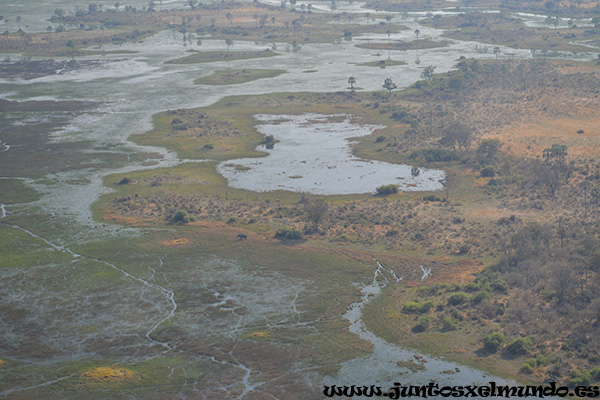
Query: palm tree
[(351, 82), (417, 33), (389, 85), (18, 19), (497, 52)]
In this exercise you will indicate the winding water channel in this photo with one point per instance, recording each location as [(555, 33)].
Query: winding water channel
[(130, 89)]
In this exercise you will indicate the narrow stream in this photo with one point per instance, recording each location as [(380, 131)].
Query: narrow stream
[(382, 367)]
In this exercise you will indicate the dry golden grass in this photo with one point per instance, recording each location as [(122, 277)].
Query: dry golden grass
[(109, 375)]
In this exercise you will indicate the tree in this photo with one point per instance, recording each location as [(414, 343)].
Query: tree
[(417, 33), (389, 85), (296, 24), (497, 52), (263, 20), (352, 82), (315, 211), (428, 72), (489, 148), (229, 18), (585, 186), (18, 19), (457, 133)]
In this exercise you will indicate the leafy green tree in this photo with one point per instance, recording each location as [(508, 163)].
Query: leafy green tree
[(489, 148)]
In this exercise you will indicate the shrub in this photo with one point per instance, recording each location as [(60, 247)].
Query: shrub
[(580, 131), (387, 189), (579, 378), (488, 172), (423, 323), (471, 287), (425, 307), (449, 324), (433, 155), (182, 216), (542, 360), (479, 296), (288, 234), (411, 307), (493, 341), (519, 346), (431, 197), (527, 369), (457, 298)]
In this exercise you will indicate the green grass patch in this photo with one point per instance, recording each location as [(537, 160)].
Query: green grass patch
[(237, 76), (198, 57), (399, 45), (382, 63), (15, 191)]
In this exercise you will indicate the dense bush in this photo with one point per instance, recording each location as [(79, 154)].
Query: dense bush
[(449, 324), (519, 346), (433, 155), (457, 298), (423, 323), (493, 341), (182, 217), (488, 172), (387, 189), (288, 234), (411, 307), (431, 197)]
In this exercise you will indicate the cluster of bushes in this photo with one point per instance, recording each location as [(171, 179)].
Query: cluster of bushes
[(182, 217), (530, 365), (387, 189), (434, 155), (583, 377), (288, 234), (413, 307)]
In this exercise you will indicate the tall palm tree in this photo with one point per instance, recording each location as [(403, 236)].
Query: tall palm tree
[(417, 33)]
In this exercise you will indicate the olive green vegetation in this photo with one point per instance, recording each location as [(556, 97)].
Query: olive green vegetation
[(19, 249), (15, 191), (198, 57), (399, 45), (382, 63), (464, 345), (237, 76)]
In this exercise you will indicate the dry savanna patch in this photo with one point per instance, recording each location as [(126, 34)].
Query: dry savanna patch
[(107, 375), (175, 242)]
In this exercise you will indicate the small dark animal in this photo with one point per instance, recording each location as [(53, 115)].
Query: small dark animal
[(242, 236)]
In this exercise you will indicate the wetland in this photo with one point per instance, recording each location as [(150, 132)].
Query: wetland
[(186, 213)]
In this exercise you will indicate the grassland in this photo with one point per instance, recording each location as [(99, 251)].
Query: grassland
[(457, 238), (383, 63), (213, 56), (274, 308), (234, 77)]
